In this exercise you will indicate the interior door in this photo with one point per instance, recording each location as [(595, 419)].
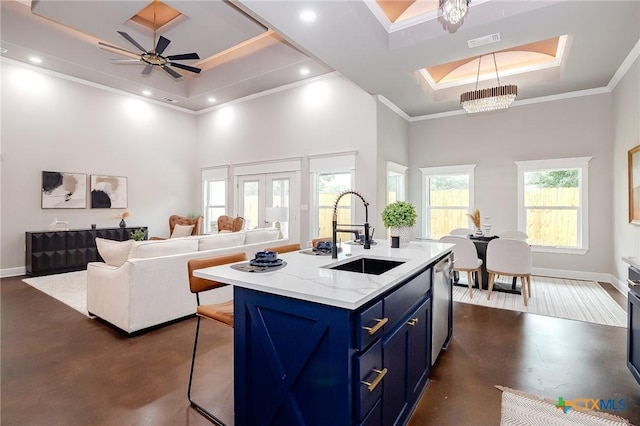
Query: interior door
[(257, 192)]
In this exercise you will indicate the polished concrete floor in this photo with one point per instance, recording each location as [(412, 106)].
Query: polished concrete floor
[(59, 367)]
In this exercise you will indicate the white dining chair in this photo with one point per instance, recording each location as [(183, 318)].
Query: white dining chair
[(461, 231), (465, 257), (513, 235), (511, 258)]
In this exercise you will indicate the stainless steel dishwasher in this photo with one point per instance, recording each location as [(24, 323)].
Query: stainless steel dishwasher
[(442, 315)]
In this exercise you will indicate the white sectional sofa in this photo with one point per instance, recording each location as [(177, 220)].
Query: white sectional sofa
[(143, 284)]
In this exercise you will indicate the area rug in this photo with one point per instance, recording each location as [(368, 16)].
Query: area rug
[(69, 288), (519, 408), (555, 297)]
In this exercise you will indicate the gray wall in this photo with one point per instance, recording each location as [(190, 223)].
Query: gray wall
[(49, 123), (577, 127), (626, 135), (328, 116), (393, 145)]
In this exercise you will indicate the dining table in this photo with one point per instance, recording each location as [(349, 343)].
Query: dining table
[(481, 243)]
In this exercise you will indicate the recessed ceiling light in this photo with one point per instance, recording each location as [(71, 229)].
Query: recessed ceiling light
[(35, 59), (304, 71), (211, 99), (308, 15), (146, 92)]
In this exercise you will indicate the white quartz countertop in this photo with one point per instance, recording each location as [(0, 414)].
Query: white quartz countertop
[(633, 261), (306, 277)]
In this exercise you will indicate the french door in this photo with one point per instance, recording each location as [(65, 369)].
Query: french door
[(257, 192)]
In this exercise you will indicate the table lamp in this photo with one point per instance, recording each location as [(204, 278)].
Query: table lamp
[(276, 215)]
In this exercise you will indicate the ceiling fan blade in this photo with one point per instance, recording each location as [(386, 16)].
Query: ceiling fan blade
[(184, 56), (125, 61), (162, 44), (185, 67), (111, 46), (132, 41), (147, 69), (171, 72)]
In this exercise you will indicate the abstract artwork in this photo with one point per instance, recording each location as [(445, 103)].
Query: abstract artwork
[(634, 185), (108, 192), (61, 190)]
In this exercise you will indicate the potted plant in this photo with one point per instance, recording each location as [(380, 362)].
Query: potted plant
[(400, 217), (139, 235)]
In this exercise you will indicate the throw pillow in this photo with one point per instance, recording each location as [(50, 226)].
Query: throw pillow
[(114, 253), (181, 231)]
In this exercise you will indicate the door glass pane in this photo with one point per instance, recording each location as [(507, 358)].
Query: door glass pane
[(250, 197), (329, 187)]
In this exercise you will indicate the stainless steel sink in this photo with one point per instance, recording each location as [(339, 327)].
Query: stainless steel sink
[(367, 265)]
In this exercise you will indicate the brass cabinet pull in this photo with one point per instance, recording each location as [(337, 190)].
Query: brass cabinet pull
[(378, 326), (412, 321), (372, 385)]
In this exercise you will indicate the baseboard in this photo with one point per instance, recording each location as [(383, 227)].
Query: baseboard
[(621, 286), (578, 275), (12, 272)]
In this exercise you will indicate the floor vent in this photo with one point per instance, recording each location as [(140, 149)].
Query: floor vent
[(481, 41)]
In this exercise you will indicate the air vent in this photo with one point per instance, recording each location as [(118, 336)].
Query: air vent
[(171, 101), (3, 50), (481, 41)]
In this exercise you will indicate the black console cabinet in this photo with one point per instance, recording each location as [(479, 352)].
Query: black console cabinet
[(53, 252)]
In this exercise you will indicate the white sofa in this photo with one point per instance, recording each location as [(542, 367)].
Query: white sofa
[(145, 283)]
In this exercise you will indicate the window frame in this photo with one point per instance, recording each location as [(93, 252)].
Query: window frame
[(339, 163), (395, 169), (206, 183), (580, 163), (427, 173)]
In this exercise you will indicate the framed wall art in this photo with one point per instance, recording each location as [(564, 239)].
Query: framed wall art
[(63, 190), (108, 192), (634, 185)]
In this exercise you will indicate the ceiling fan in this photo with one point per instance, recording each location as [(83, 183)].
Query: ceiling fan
[(153, 58)]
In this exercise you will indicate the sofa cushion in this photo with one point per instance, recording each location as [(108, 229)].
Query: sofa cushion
[(114, 253), (181, 231), (260, 235), (155, 248), (223, 240)]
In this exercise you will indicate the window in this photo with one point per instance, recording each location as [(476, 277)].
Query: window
[(331, 176), (396, 178), (214, 186), (448, 197), (552, 204)]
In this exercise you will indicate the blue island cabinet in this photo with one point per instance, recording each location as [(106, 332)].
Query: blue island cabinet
[(304, 363)]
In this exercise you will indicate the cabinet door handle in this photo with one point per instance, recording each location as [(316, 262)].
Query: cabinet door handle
[(379, 323), (632, 283), (372, 385), (412, 321)]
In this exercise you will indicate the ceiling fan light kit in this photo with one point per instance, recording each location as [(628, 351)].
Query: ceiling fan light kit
[(484, 100)]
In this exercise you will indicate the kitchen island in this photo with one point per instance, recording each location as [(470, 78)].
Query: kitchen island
[(315, 345)]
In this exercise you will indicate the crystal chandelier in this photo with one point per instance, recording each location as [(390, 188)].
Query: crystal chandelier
[(491, 99), (454, 10)]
